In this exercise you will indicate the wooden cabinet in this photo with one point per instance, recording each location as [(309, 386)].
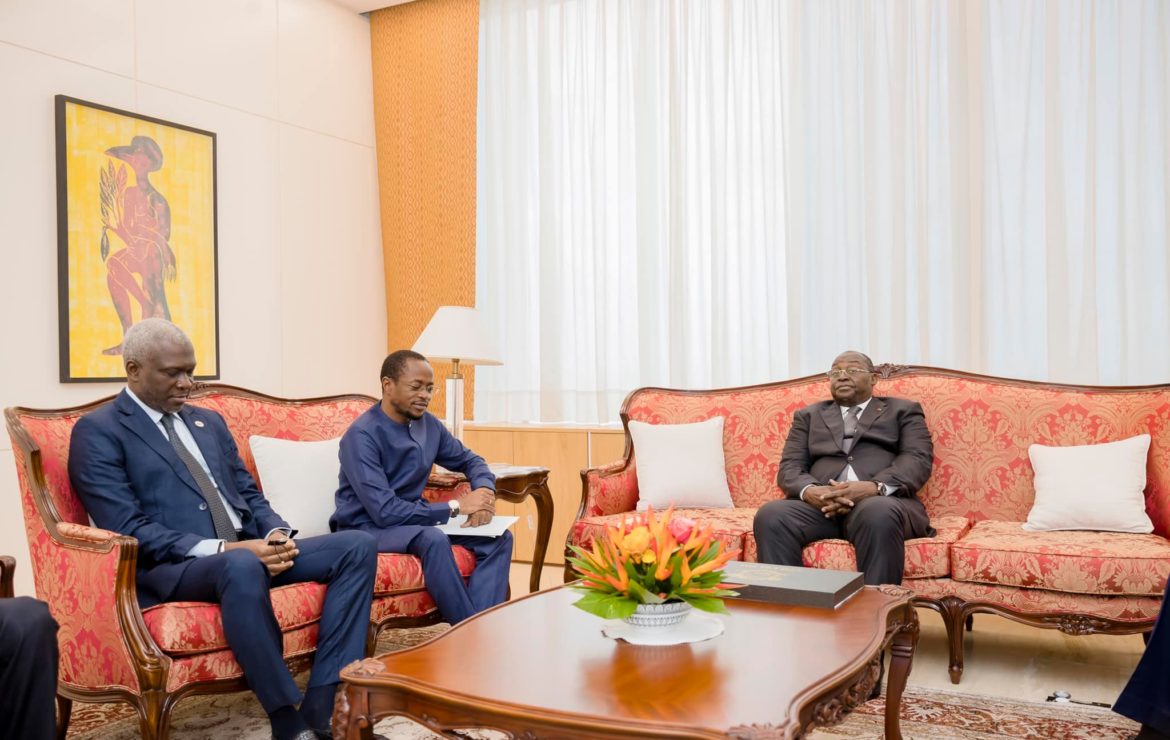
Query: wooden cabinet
[(565, 452)]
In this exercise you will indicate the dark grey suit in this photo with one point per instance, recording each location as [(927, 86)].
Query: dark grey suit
[(892, 446)]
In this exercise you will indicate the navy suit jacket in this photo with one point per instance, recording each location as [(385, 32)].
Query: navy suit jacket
[(131, 482)]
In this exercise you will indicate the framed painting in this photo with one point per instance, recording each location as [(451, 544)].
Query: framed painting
[(136, 236)]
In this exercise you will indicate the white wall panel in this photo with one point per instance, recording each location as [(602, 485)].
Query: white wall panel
[(334, 335), (218, 50), (99, 34), (326, 82)]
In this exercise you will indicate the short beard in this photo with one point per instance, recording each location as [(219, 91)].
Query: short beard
[(410, 413)]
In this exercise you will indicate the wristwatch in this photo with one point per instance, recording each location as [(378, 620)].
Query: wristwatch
[(454, 504), (881, 488)]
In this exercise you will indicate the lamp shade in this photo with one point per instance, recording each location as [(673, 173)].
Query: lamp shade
[(458, 333)]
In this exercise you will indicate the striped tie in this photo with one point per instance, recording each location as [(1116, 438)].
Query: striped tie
[(850, 427), (219, 515)]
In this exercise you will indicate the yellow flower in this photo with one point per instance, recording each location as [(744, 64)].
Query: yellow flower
[(648, 556), (636, 541)]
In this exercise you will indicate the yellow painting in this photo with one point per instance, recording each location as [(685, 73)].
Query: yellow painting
[(136, 235)]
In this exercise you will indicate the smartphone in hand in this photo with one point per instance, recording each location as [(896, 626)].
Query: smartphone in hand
[(279, 538)]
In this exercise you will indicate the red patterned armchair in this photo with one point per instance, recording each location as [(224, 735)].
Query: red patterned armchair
[(113, 651), (979, 494)]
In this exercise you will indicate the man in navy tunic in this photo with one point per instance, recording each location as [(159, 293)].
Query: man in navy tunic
[(386, 457)]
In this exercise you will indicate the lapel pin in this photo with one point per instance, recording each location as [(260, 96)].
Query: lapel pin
[(198, 423)]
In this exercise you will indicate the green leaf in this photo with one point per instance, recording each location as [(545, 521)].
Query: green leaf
[(706, 603), (606, 606), (643, 595)]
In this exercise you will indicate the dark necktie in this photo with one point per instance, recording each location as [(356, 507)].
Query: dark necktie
[(219, 515), (850, 427)]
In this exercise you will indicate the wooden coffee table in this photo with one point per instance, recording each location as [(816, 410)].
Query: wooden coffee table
[(539, 667)]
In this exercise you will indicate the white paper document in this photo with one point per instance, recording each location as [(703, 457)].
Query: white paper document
[(494, 528)]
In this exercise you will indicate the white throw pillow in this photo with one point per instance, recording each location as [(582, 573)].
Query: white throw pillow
[(1095, 487), (681, 464), (299, 480)]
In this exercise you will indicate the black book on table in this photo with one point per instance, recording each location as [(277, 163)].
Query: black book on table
[(787, 584)]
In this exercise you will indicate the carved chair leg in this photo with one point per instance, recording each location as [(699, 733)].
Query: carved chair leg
[(970, 622), (154, 713), (1146, 638), (953, 620), (64, 712)]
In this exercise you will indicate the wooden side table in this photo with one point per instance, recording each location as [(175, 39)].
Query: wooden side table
[(514, 483)]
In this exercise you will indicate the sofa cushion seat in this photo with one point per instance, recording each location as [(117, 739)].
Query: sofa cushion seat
[(1103, 563), (926, 557), (401, 574), (182, 628), (730, 525), (221, 664)]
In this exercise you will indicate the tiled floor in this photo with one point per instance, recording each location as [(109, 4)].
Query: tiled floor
[(1003, 658)]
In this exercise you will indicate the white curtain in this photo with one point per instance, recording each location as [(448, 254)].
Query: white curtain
[(696, 193)]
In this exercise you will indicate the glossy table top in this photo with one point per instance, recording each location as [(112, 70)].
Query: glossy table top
[(539, 655)]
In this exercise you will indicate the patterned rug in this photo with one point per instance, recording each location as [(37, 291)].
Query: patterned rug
[(926, 713)]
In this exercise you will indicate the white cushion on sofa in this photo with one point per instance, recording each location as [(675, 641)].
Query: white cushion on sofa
[(299, 479), (681, 464), (1095, 487)]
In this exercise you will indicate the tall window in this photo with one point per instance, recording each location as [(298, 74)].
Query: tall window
[(696, 193)]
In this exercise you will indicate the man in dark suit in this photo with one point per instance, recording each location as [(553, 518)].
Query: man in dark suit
[(170, 475), (1146, 698), (28, 669), (851, 469)]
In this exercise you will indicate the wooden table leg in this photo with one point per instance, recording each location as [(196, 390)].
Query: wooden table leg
[(544, 517), (902, 653)]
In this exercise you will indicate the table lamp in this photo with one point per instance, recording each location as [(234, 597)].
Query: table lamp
[(457, 334)]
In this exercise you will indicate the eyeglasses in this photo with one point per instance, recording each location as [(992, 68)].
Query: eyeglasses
[(852, 372)]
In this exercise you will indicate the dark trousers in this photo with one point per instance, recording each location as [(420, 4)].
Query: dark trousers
[(455, 600), (1146, 698), (344, 561), (878, 528), (28, 669)]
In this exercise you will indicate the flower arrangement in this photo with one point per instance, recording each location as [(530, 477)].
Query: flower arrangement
[(651, 560)]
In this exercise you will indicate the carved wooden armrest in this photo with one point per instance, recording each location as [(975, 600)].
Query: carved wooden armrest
[(609, 489), (7, 569), (82, 533)]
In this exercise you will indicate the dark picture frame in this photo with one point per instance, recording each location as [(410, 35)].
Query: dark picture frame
[(136, 235)]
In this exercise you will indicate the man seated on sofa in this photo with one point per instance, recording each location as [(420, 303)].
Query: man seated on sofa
[(1146, 698), (386, 457), (170, 475), (850, 469), (28, 669)]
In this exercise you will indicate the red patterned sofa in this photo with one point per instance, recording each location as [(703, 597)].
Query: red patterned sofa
[(113, 651), (979, 494)]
